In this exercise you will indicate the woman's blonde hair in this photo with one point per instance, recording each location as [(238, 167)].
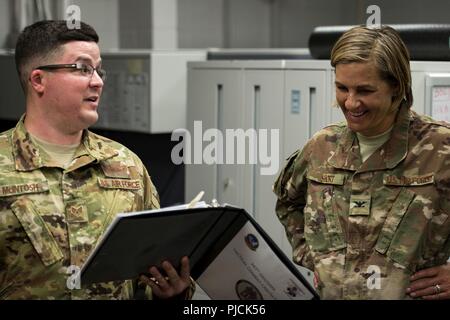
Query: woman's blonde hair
[(382, 46)]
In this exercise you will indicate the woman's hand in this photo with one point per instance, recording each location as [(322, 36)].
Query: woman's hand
[(431, 284)]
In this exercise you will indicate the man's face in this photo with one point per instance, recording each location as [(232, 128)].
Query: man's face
[(365, 99), (71, 98)]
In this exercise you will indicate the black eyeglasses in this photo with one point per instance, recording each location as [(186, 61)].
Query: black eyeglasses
[(86, 69)]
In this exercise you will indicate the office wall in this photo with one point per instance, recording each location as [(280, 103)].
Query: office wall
[(247, 23), (103, 15), (238, 23), (135, 24), (288, 23), (148, 24), (411, 11), (4, 22), (256, 23), (294, 20), (200, 23), (224, 23), (164, 28)]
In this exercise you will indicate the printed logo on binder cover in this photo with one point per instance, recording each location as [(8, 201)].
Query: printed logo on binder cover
[(251, 241), (245, 290)]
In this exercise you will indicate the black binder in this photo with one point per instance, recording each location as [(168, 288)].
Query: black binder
[(136, 241)]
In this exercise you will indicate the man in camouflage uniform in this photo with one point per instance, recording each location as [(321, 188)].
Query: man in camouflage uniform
[(54, 208), (365, 226)]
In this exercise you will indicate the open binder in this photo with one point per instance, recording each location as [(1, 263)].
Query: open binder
[(231, 257)]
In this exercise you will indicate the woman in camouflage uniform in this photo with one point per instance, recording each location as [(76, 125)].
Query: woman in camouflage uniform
[(365, 203)]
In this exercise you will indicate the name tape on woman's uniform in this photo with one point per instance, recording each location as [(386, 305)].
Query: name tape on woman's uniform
[(391, 180), (327, 178)]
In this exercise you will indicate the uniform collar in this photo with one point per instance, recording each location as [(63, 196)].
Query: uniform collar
[(347, 155), (95, 149), (27, 156)]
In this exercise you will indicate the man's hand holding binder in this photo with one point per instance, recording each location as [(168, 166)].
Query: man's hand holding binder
[(171, 285)]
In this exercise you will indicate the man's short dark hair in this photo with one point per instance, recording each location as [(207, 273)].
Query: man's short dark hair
[(41, 40)]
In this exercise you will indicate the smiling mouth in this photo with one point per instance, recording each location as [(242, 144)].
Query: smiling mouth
[(357, 114)]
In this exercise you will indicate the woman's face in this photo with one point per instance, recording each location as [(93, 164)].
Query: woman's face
[(365, 99)]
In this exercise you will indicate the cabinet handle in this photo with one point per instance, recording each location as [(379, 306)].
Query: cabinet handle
[(312, 107), (227, 183)]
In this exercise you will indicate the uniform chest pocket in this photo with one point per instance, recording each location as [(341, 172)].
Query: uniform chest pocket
[(19, 188), (37, 231), (120, 195), (413, 231), (323, 230)]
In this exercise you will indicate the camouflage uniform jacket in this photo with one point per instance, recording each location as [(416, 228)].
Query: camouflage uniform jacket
[(51, 218), (364, 228)]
